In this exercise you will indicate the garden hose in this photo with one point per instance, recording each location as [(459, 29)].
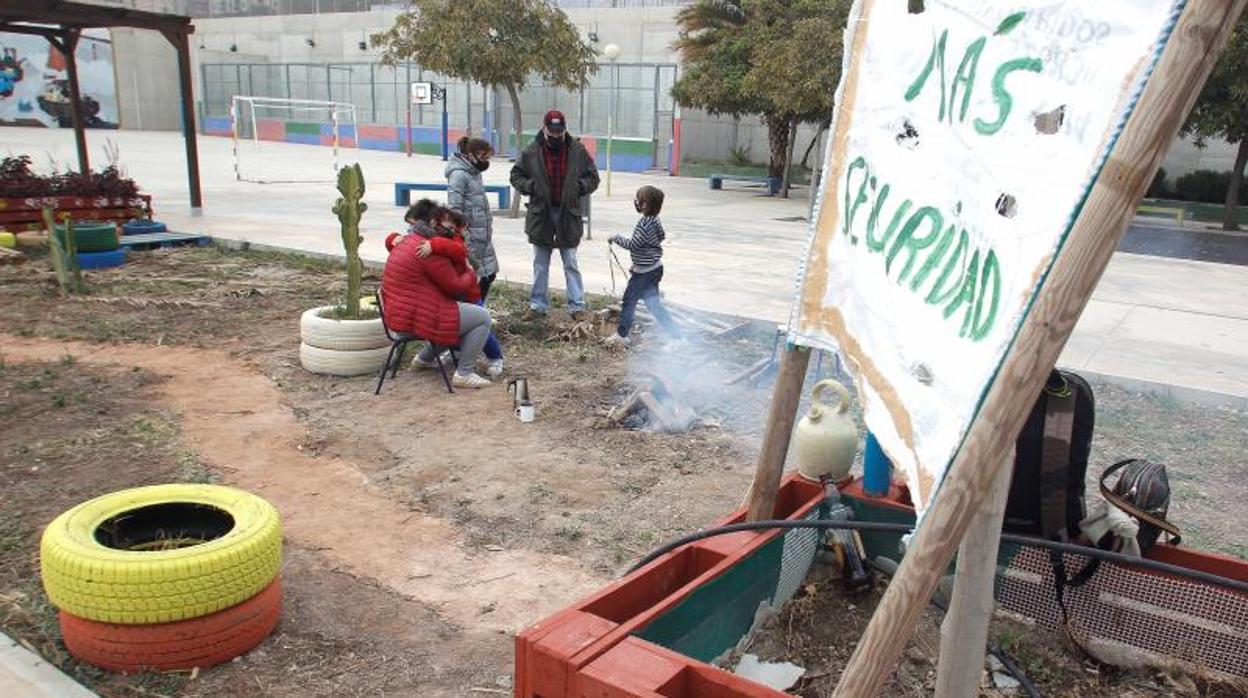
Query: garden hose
[(1120, 558), (1006, 661)]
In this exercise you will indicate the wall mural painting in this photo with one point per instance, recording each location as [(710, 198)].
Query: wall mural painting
[(34, 82)]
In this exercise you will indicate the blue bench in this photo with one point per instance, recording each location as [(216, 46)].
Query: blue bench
[(403, 192), (772, 183)]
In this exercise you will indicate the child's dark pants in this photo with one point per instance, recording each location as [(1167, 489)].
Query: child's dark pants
[(644, 287)]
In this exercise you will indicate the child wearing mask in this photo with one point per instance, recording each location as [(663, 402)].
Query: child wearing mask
[(645, 247)]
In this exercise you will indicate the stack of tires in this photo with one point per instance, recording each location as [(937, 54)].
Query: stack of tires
[(97, 243), (341, 347), (164, 577)]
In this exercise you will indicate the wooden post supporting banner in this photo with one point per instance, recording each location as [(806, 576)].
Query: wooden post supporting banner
[(1188, 58), (784, 400), (964, 632)]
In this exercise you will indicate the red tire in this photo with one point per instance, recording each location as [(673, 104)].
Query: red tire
[(199, 642)]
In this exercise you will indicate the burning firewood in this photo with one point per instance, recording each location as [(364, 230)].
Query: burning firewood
[(664, 411)]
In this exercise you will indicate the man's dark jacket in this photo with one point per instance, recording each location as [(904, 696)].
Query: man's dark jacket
[(528, 176)]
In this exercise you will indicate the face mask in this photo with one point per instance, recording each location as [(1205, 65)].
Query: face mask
[(638, 207), (554, 142), (481, 165)]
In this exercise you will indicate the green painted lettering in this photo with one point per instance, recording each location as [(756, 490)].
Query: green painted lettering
[(859, 163), (938, 294), (966, 78), (1005, 102), (989, 283), (908, 240), (935, 60), (966, 294), (934, 258), (873, 221), (878, 245)]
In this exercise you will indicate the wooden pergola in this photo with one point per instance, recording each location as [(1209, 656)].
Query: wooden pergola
[(62, 23)]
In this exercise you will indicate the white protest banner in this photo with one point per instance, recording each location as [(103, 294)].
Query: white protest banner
[(967, 135)]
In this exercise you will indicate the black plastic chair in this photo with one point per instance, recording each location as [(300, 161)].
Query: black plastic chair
[(398, 341)]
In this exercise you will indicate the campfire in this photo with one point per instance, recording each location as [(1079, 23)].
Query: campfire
[(654, 407)]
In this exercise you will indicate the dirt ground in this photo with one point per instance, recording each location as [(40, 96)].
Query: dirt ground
[(819, 627), (422, 529)]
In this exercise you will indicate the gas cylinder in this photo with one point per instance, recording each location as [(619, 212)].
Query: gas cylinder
[(826, 440)]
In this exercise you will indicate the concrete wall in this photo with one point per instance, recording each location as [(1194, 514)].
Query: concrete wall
[(147, 77), (643, 34), (1185, 157), (707, 138)]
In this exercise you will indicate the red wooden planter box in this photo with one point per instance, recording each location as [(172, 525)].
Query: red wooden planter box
[(27, 213), (639, 669), (551, 654)]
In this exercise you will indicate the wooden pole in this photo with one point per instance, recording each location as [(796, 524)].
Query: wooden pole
[(69, 41), (964, 632), (784, 400), (1185, 64), (181, 42)]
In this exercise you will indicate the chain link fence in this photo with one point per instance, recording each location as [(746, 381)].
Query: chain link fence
[(632, 100), (209, 9)]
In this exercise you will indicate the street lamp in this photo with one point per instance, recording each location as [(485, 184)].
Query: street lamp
[(610, 52)]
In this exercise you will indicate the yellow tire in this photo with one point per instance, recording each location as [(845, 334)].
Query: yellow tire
[(160, 554)]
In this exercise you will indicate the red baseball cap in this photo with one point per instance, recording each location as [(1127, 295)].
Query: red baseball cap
[(554, 120)]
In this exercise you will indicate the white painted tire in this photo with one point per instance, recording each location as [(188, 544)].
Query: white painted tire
[(342, 335), (333, 362)]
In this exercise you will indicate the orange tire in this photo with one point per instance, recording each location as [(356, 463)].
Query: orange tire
[(185, 644)]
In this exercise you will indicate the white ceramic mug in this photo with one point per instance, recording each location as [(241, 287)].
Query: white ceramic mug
[(525, 412)]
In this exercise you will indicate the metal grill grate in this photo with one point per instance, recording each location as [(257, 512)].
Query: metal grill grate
[(800, 547), (1121, 607)]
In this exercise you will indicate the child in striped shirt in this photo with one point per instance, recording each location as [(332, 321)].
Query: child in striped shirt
[(646, 249)]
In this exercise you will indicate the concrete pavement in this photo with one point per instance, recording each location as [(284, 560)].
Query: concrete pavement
[(1174, 326), (24, 674)]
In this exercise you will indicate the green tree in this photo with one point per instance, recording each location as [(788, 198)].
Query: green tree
[(779, 59), (500, 43), (797, 65), (1221, 111)]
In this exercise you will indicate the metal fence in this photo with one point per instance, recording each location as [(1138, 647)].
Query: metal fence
[(638, 94), (253, 8)]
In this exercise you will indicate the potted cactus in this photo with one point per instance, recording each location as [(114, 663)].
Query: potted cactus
[(345, 339)]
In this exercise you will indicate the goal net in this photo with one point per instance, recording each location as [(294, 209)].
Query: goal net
[(261, 125)]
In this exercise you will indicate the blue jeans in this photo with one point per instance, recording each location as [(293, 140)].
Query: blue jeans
[(493, 350), (539, 298), (644, 287)]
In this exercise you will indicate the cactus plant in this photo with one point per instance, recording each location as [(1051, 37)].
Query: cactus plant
[(349, 209), (64, 255)]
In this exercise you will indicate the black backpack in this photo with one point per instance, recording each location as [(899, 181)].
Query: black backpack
[(1051, 461)]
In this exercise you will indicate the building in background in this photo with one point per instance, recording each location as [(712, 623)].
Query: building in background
[(323, 45)]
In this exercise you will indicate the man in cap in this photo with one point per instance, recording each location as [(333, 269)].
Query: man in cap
[(555, 171)]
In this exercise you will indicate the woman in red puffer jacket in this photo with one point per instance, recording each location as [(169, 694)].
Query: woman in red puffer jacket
[(429, 298)]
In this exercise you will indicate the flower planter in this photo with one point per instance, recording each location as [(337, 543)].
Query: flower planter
[(26, 213), (693, 603)]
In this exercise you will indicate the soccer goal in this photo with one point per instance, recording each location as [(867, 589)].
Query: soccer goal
[(257, 122)]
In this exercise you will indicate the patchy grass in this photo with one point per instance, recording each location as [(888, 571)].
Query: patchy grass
[(702, 170), (569, 483), (81, 432)]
